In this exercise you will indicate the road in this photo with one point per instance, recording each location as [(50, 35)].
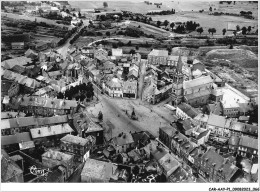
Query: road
[(64, 48)]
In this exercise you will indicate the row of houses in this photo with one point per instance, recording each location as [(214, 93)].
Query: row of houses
[(205, 161)]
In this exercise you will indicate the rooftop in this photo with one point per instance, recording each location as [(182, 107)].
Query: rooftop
[(197, 82), (57, 155), (51, 130), (216, 120), (74, 139), (10, 63), (250, 142), (169, 163), (15, 139), (95, 169), (189, 110), (160, 53), (123, 139)]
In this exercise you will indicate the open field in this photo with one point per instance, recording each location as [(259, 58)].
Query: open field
[(208, 21)]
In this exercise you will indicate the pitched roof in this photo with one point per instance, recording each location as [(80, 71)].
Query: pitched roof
[(8, 167), (237, 126), (11, 114), (129, 85), (97, 170), (250, 142), (10, 63), (213, 158), (229, 170), (74, 139), (15, 139), (197, 82), (93, 127), (189, 110), (245, 107), (123, 139), (57, 155), (202, 134), (202, 117), (115, 82), (216, 120), (253, 129), (133, 72), (32, 121), (233, 140), (169, 163), (48, 102), (51, 130), (160, 53), (215, 108), (117, 52)]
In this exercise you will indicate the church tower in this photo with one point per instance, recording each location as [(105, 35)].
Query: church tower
[(177, 84)]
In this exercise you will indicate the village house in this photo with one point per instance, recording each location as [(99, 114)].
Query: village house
[(238, 129), (216, 168), (95, 130), (123, 142), (201, 136), (113, 87), (216, 124), (233, 143), (52, 158), (47, 106), (185, 150), (248, 147), (76, 145), (185, 111), (24, 124), (19, 141), (100, 51), (157, 57), (202, 119), (10, 63), (118, 53), (230, 108), (130, 89), (95, 171), (11, 114), (50, 136), (10, 171), (17, 45)]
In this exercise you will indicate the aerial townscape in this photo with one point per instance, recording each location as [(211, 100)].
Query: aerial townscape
[(129, 92)]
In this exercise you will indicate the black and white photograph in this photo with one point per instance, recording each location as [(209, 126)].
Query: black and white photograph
[(138, 91)]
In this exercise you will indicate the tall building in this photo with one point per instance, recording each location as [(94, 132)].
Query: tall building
[(177, 85)]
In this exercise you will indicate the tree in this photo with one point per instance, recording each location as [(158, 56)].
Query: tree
[(244, 29), (172, 25), (159, 23), (238, 28), (212, 30), (107, 33), (249, 28), (79, 14), (105, 5), (129, 43), (200, 30), (166, 23), (210, 9), (224, 31), (137, 47), (100, 116), (136, 170), (132, 51)]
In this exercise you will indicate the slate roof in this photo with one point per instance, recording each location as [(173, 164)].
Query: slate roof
[(50, 131), (10, 63), (160, 53), (15, 139), (32, 121), (130, 85), (215, 108), (48, 102), (93, 127), (213, 157), (57, 155), (133, 73), (169, 163), (97, 170), (115, 83), (197, 82), (201, 117), (216, 120), (203, 134), (234, 140), (190, 111), (250, 142), (8, 167), (124, 139), (11, 114), (74, 139)]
